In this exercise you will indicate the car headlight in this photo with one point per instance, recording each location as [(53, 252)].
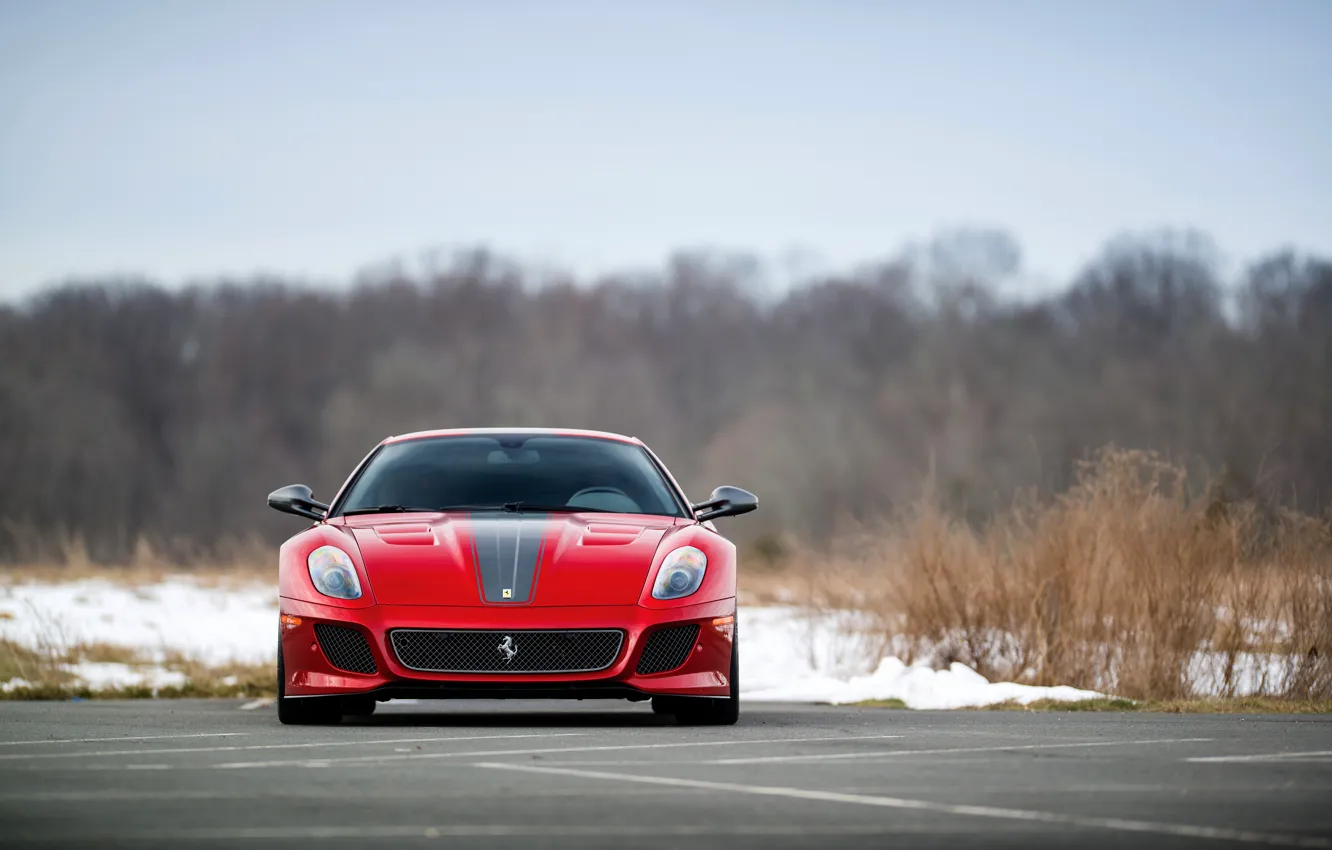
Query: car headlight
[(680, 574), (332, 572)]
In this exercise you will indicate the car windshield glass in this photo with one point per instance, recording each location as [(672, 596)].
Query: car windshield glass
[(508, 472)]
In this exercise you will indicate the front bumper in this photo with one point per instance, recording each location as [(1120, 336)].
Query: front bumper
[(706, 672)]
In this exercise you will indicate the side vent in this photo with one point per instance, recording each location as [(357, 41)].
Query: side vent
[(346, 649), (667, 649)]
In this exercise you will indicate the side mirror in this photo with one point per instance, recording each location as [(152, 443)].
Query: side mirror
[(725, 501), (297, 499)]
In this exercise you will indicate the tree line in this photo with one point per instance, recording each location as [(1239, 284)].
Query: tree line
[(130, 411)]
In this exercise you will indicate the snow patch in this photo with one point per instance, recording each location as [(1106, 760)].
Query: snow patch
[(790, 655), (104, 675), (918, 686), (212, 624)]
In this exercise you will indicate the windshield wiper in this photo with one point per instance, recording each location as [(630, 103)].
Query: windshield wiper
[(390, 509), (528, 507)]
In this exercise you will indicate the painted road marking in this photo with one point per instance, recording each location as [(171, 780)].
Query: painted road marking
[(541, 751), (316, 832), (890, 753), (114, 795), (240, 748), (1318, 755), (130, 738), (1115, 824)]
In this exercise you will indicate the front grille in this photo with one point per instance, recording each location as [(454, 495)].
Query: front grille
[(667, 649), (458, 651), (346, 649)]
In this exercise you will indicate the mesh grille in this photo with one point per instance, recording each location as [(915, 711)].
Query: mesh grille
[(667, 649), (451, 651), (345, 648)]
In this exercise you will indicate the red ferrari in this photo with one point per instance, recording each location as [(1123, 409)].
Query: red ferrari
[(508, 563)]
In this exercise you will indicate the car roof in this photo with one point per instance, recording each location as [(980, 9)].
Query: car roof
[(530, 432)]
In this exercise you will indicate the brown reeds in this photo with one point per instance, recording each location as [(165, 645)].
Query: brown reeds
[(66, 558), (1131, 583)]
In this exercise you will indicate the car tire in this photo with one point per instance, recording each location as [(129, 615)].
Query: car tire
[(712, 711), (303, 711)]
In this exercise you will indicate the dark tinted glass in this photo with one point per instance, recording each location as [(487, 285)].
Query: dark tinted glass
[(577, 472)]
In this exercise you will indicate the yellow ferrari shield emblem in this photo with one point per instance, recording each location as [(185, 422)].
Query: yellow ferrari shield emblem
[(508, 593)]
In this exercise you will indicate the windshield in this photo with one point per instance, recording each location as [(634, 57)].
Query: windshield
[(492, 472)]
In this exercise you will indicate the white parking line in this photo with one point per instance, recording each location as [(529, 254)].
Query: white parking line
[(542, 751), (128, 738), (1116, 824), (260, 792), (316, 832), (239, 748), (891, 753), (1312, 755)]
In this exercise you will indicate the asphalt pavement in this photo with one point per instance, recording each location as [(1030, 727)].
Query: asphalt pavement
[(592, 775)]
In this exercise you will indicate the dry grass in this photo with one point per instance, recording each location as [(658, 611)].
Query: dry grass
[(103, 653), (1130, 583), (891, 702), (48, 678), (67, 559), (207, 689), (38, 666), (43, 665), (1212, 705), (230, 679)]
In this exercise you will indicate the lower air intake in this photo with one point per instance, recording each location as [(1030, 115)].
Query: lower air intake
[(346, 649), (493, 651), (667, 649)]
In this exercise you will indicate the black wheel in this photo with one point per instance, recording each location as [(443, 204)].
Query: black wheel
[(358, 706), (303, 711), (710, 711)]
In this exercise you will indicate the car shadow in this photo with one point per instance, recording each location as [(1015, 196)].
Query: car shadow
[(500, 716)]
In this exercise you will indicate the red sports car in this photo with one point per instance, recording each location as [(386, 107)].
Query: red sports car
[(508, 563)]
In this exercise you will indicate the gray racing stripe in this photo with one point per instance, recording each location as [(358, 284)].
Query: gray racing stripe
[(507, 552)]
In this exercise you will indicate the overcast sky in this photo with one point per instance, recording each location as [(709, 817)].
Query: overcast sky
[(188, 139)]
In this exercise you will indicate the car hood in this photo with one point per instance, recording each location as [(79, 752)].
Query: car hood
[(508, 559)]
